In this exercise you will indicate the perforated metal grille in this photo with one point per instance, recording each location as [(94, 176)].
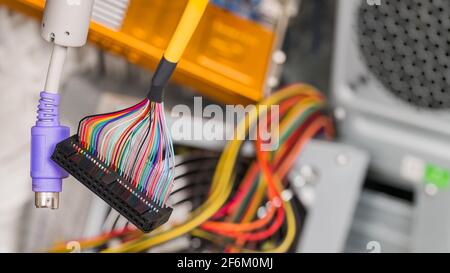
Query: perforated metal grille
[(406, 44)]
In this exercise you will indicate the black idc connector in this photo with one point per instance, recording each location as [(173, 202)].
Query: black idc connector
[(110, 186)]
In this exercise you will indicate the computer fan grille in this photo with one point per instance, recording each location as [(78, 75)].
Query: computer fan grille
[(406, 45)]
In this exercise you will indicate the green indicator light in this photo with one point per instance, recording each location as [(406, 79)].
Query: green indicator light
[(437, 176)]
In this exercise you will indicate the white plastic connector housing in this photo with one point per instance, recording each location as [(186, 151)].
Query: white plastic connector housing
[(66, 22)]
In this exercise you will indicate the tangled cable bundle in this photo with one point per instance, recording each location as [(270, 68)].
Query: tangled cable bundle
[(135, 143), (228, 218), (240, 227)]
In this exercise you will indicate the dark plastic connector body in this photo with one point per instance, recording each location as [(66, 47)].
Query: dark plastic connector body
[(108, 185)]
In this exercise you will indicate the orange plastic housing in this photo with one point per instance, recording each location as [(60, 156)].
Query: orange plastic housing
[(227, 60)]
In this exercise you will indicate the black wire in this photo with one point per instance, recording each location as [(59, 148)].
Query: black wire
[(192, 183), (194, 158), (115, 222), (203, 168), (195, 194), (300, 213)]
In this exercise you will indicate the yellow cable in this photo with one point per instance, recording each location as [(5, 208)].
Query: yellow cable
[(185, 29)]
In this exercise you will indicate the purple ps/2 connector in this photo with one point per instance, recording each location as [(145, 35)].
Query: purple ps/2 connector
[(47, 175)]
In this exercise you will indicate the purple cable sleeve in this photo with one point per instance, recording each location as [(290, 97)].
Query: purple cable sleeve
[(46, 175)]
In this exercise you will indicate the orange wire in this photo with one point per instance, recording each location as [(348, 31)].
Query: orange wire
[(242, 227), (310, 132)]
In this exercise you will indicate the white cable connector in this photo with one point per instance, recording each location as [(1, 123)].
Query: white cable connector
[(66, 22)]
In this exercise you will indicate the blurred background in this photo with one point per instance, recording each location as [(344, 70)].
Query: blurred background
[(381, 186)]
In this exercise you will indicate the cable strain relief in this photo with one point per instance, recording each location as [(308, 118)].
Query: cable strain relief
[(156, 94), (160, 79), (48, 109)]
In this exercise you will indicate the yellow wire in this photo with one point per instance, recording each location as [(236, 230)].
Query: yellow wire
[(185, 29), (286, 123)]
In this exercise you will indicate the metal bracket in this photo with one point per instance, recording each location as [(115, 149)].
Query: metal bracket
[(329, 177)]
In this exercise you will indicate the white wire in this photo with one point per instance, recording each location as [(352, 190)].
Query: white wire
[(55, 68)]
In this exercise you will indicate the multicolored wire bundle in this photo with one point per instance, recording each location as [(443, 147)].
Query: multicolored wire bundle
[(230, 217), (136, 142)]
